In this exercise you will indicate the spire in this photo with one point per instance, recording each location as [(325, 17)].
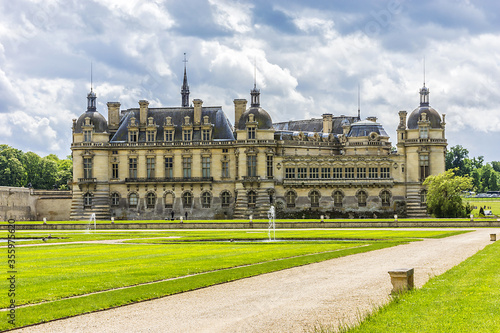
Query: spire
[(255, 93), (424, 92), (91, 97), (359, 110), (185, 87)]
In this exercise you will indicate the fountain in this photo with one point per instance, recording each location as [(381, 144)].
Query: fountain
[(271, 214), (89, 225)]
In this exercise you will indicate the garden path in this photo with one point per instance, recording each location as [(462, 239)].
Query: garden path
[(293, 300)]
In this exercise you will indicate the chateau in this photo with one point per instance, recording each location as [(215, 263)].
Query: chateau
[(152, 163)]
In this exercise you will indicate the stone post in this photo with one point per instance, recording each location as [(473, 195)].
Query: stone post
[(402, 280)]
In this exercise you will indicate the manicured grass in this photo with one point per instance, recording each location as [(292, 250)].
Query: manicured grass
[(464, 299), (494, 204)]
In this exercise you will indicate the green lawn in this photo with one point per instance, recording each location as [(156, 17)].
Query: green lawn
[(493, 205), (52, 273)]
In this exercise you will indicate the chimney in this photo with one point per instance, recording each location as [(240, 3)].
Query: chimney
[(402, 120), (327, 123), (240, 105), (113, 114), (143, 113), (197, 111)]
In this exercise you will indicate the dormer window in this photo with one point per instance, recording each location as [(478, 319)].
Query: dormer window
[(205, 134), (251, 133), (133, 136), (424, 132), (87, 135), (169, 135), (151, 136), (186, 135)]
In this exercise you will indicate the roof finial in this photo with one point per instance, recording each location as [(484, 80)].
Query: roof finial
[(254, 72), (359, 112)]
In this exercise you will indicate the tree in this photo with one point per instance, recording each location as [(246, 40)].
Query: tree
[(12, 172), (48, 175), (496, 166), (443, 194), (493, 183), (457, 158)]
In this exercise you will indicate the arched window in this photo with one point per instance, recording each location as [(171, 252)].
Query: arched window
[(290, 197), (169, 200), (151, 200), (206, 198), (115, 199), (361, 198), (226, 199), (314, 197), (187, 200), (133, 199), (252, 199), (87, 200), (386, 198), (338, 197)]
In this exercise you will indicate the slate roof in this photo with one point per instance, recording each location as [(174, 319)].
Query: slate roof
[(313, 125)]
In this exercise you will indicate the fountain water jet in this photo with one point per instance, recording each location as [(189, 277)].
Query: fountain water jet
[(271, 214), (89, 225)]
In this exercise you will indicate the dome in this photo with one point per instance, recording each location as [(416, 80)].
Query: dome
[(96, 119), (365, 128), (431, 114), (260, 116)]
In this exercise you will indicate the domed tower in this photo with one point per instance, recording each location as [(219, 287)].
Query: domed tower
[(366, 137)]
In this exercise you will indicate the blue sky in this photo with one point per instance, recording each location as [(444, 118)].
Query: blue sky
[(310, 57)]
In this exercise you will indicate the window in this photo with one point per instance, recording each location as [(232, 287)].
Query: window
[(314, 197), (150, 167), (385, 172), (133, 136), (290, 198), (423, 198), (87, 135), (115, 152), (186, 167), (205, 167), (186, 135), (314, 173), (372, 173), (87, 200), (169, 200), (187, 200), (361, 198), (225, 169), (169, 167), (361, 173), (269, 168), (325, 173), (114, 170), (338, 197), (302, 173), (132, 200), (169, 135), (337, 173), (206, 198), (251, 133), (205, 135), (132, 167), (115, 199), (289, 173), (386, 198), (226, 198), (151, 200), (424, 132), (252, 199), (87, 167), (151, 136), (349, 173), (424, 166), (225, 150), (251, 165)]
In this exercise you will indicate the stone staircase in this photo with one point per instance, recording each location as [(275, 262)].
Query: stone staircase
[(100, 206), (262, 205), (414, 209)]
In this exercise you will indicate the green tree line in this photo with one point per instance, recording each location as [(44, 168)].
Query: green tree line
[(485, 176), (28, 169)]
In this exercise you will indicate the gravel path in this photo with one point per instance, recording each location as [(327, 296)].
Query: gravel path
[(293, 300)]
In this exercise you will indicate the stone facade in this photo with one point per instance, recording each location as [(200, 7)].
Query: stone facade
[(145, 163)]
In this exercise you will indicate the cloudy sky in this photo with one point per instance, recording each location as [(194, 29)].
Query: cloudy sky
[(310, 57)]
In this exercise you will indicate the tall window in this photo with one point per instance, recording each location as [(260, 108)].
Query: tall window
[(424, 166), (361, 173), (385, 172), (87, 167), (314, 173), (151, 200), (169, 135), (205, 167), (132, 167), (361, 198), (386, 198), (289, 173), (151, 136), (349, 173), (206, 198), (424, 132), (87, 135), (150, 167), (252, 199), (225, 169), (338, 197), (169, 200), (251, 165), (186, 167), (269, 166), (226, 198), (325, 173), (205, 135), (423, 198), (114, 170), (372, 173), (87, 200), (290, 198), (133, 199), (337, 173), (302, 173), (251, 133), (187, 200), (133, 136), (314, 197), (169, 167), (186, 135), (115, 199)]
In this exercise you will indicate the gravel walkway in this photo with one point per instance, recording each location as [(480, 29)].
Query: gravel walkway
[(293, 300)]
